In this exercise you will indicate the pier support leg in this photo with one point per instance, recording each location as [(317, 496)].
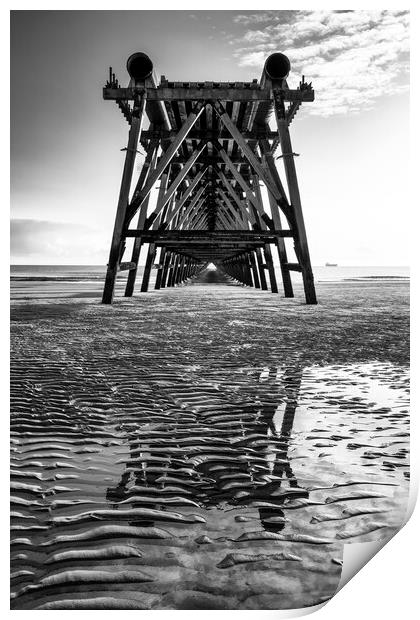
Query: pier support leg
[(260, 263), (148, 267), (254, 270), (301, 243), (281, 248), (149, 164), (270, 266), (115, 253), (160, 270), (165, 269)]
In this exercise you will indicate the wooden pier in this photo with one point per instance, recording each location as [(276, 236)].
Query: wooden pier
[(211, 149)]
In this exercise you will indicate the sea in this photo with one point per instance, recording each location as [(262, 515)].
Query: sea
[(43, 283), (97, 272)]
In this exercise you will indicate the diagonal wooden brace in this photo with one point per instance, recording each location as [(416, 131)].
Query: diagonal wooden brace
[(165, 160)]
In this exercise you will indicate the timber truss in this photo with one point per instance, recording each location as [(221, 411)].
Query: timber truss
[(210, 147)]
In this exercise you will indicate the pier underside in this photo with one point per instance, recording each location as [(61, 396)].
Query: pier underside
[(209, 151)]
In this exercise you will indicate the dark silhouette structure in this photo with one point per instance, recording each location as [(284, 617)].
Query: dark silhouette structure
[(210, 147)]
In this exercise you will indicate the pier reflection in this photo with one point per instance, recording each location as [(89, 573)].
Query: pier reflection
[(234, 456)]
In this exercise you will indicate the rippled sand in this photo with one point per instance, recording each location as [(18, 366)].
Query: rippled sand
[(204, 447)]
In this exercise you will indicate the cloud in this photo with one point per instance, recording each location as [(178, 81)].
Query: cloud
[(352, 57), (47, 240)]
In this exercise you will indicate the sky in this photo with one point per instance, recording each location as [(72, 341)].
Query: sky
[(353, 140)]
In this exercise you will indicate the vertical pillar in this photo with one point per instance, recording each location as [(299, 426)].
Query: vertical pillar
[(152, 247), (247, 270), (267, 250), (149, 164), (281, 248), (254, 270), (120, 218), (148, 267), (178, 270), (172, 269), (165, 269), (301, 243), (260, 264), (270, 267), (160, 270)]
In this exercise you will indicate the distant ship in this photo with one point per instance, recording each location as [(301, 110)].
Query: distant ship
[(331, 265)]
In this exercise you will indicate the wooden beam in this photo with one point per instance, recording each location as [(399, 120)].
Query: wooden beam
[(281, 248), (220, 214), (179, 178), (293, 267), (121, 215), (270, 165), (185, 234), (195, 203), (149, 164), (191, 206), (200, 220), (247, 151), (164, 93), (208, 134), (165, 159), (180, 203), (234, 195), (148, 267), (229, 214), (301, 243), (127, 266), (237, 176), (232, 209)]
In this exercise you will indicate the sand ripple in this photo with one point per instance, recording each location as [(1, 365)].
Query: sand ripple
[(162, 473)]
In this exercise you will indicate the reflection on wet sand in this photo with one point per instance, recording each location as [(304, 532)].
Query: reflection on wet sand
[(208, 487), (248, 466)]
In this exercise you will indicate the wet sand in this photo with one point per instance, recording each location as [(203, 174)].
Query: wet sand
[(204, 447)]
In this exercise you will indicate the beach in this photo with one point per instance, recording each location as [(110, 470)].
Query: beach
[(208, 446)]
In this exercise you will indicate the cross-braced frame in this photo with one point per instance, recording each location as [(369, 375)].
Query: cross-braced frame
[(210, 147)]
